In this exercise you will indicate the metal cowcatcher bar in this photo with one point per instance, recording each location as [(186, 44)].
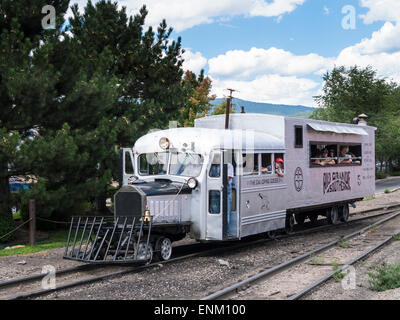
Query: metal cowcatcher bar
[(105, 241)]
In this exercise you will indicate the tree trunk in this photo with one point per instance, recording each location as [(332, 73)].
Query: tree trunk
[(5, 203), (391, 166)]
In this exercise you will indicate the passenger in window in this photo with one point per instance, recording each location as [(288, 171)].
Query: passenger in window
[(317, 157), (265, 170), (326, 161), (279, 167), (345, 157), (332, 154)]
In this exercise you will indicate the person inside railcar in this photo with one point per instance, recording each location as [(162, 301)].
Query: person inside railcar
[(345, 157), (326, 160), (332, 155), (279, 167), (316, 158)]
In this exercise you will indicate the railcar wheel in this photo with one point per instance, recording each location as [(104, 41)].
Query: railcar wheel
[(313, 218), (289, 224), (300, 217), (143, 254), (163, 248), (333, 215), (345, 213), (271, 234)]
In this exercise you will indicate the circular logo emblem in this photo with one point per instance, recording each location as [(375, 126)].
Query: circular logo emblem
[(298, 179)]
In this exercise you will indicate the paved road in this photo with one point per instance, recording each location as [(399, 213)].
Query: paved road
[(391, 183)]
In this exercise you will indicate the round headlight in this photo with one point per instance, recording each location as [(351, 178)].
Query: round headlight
[(192, 183), (164, 143)]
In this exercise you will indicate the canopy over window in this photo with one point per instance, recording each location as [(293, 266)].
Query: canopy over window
[(337, 129)]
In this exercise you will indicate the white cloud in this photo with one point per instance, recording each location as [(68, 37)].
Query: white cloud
[(387, 39), (271, 88), (256, 61), (381, 51), (326, 10), (194, 61), (381, 10), (184, 14)]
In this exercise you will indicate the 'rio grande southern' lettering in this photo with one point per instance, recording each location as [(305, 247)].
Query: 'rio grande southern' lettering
[(336, 181)]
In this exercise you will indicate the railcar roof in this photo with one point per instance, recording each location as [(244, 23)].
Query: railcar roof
[(201, 140)]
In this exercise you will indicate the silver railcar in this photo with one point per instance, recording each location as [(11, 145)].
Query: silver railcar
[(174, 183)]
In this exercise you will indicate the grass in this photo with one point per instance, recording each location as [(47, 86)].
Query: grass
[(17, 215), (385, 277), (396, 237), (335, 263), (57, 239), (343, 244), (338, 275), (387, 191), (369, 198), (317, 260)]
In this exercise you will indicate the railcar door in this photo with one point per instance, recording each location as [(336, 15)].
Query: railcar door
[(215, 196), (127, 166)]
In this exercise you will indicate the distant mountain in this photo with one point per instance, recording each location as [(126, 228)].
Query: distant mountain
[(276, 109)]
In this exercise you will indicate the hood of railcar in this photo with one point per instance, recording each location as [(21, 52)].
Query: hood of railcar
[(166, 200)]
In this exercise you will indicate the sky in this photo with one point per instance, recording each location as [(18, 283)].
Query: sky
[(276, 51)]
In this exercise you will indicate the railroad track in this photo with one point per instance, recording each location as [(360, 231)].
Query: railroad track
[(27, 287), (260, 278)]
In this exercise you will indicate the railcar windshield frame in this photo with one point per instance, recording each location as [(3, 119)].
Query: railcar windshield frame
[(180, 164)]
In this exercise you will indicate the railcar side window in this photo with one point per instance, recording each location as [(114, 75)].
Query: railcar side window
[(214, 201), (215, 170), (266, 163), (298, 136), (128, 164), (326, 155), (250, 164)]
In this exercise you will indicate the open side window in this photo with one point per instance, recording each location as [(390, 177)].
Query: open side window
[(335, 154)]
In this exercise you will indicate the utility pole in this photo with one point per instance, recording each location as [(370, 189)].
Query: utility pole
[(32, 224), (228, 107)]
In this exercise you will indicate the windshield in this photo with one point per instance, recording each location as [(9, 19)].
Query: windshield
[(179, 164), (153, 163), (186, 164)]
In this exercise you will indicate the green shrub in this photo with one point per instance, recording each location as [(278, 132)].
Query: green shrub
[(381, 175), (338, 275), (6, 225), (396, 173), (387, 191), (51, 205), (369, 198), (385, 277)]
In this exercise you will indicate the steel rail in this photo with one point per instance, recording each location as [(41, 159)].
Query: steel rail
[(223, 248), (262, 276), (344, 267)]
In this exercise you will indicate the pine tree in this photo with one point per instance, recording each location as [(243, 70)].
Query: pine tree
[(70, 96), (25, 89)]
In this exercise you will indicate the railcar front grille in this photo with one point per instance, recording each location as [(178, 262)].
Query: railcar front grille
[(129, 203)]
